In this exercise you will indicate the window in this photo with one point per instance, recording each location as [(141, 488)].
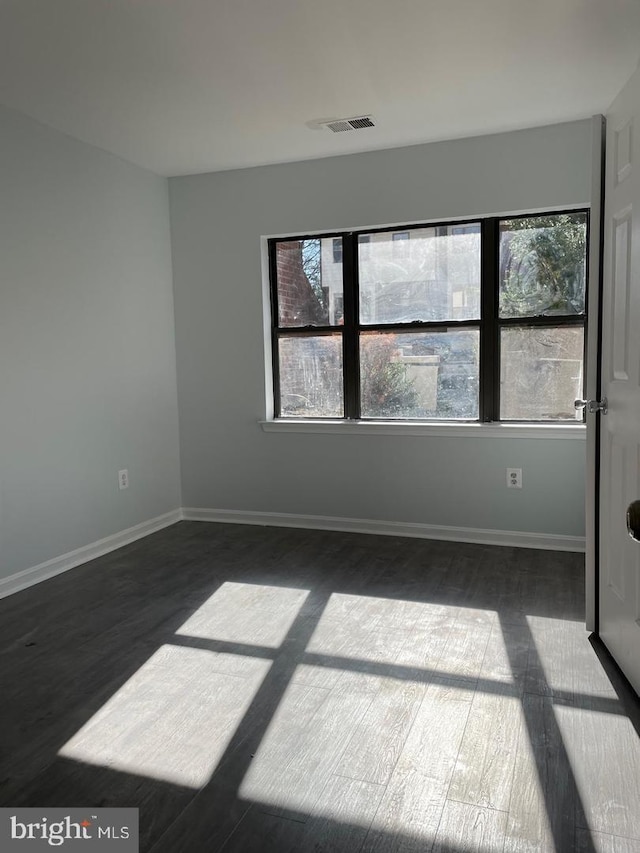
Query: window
[(481, 321), (541, 312)]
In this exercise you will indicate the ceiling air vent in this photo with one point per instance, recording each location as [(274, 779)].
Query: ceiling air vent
[(357, 123), (339, 126), (342, 124)]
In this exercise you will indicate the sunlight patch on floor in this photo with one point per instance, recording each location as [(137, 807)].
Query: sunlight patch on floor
[(310, 728), (465, 827), (604, 753), (369, 629), (174, 718), (317, 736), (565, 661), (378, 612), (251, 614)]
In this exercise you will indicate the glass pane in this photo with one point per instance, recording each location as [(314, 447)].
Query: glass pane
[(540, 373), (542, 265), (420, 375), (309, 279), (422, 274), (311, 377)]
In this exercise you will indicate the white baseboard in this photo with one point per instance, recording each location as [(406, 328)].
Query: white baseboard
[(514, 538), (35, 574), (511, 538)]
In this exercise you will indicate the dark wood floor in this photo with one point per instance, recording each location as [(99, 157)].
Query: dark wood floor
[(255, 689)]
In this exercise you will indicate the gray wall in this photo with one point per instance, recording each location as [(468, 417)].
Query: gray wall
[(87, 346), (228, 462)]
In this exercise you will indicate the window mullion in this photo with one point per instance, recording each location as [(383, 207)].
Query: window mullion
[(351, 358), (275, 357), (489, 332)]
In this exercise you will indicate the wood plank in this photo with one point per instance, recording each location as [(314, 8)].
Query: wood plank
[(598, 842), (342, 815), (351, 638), (483, 774), (171, 721), (470, 829), (377, 742), (204, 823), (589, 676), (604, 751), (408, 817), (490, 580), (300, 751), (543, 800), (563, 663), (426, 642), (464, 650), (507, 655), (258, 831), (252, 614), (550, 671), (338, 822)]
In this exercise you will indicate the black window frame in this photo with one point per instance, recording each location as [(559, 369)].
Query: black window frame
[(489, 323)]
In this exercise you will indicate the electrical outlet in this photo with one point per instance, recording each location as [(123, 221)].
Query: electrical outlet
[(514, 478), (123, 479)]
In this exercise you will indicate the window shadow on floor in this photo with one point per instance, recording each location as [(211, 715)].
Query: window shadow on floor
[(72, 645)]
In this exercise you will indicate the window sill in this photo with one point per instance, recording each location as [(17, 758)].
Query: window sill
[(414, 428)]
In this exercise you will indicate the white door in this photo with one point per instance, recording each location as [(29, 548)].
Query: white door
[(620, 427)]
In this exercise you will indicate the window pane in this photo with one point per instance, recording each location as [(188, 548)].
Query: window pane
[(540, 373), (309, 281), (420, 375), (422, 274), (542, 265), (311, 377)]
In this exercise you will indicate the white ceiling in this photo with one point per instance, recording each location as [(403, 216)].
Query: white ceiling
[(187, 86)]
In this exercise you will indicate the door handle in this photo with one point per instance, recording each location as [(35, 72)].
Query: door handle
[(633, 520), (592, 406)]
